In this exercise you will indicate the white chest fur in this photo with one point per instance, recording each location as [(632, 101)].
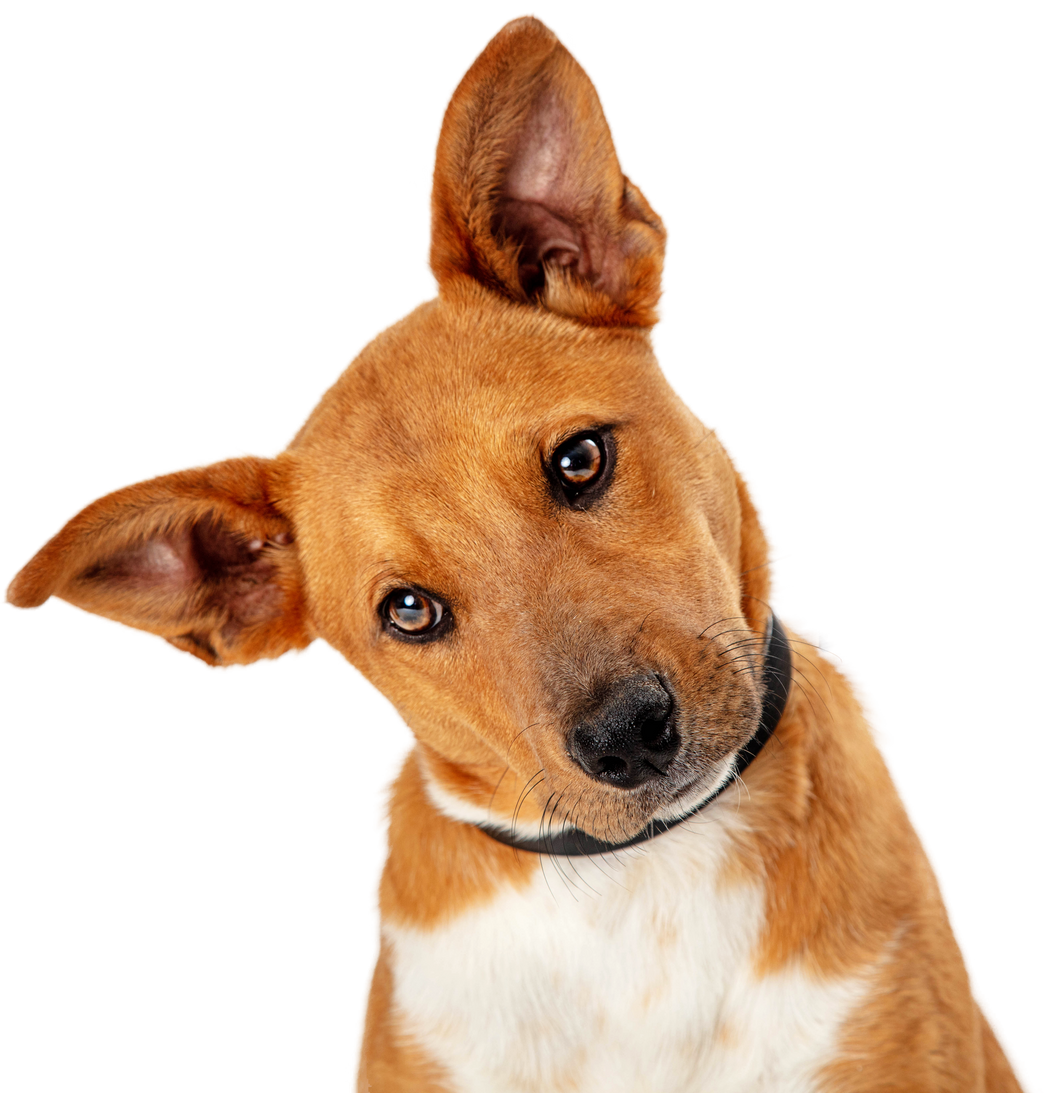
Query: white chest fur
[(627, 974)]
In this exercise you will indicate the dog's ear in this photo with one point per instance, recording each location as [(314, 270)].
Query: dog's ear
[(204, 558), (528, 195)]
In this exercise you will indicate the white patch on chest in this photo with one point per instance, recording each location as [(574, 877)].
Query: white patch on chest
[(630, 973)]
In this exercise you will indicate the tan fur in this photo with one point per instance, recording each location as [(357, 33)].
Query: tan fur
[(422, 466), (439, 867), (391, 1061), (822, 806)]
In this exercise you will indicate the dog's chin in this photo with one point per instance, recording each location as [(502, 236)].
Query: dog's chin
[(693, 793), (667, 800)]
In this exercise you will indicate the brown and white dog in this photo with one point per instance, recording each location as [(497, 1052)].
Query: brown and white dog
[(506, 519)]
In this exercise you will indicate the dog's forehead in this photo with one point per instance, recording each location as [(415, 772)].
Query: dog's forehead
[(508, 366), (426, 457), (457, 393)]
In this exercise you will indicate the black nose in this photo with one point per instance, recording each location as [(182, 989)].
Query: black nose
[(629, 738)]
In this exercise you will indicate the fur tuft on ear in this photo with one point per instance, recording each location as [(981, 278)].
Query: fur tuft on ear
[(528, 196), (204, 558)]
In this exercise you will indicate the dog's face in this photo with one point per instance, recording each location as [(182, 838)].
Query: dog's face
[(539, 605), (501, 513)]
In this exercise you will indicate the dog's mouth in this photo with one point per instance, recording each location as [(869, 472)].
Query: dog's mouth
[(658, 749), (697, 790), (631, 801), (642, 752)]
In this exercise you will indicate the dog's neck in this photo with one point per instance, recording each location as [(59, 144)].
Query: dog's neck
[(775, 689)]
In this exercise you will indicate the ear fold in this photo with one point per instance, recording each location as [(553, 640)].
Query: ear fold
[(203, 558), (528, 196)]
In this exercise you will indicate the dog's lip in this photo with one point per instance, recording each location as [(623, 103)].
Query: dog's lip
[(683, 791), (698, 789)]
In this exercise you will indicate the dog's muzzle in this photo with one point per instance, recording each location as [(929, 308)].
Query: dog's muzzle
[(620, 719)]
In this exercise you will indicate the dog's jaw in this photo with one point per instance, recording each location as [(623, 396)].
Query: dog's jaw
[(445, 796)]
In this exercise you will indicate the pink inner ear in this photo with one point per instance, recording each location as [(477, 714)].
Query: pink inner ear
[(217, 571), (542, 238), (538, 209), (160, 560), (542, 156), (165, 561)]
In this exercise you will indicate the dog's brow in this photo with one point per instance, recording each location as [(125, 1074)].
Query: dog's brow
[(389, 577), (582, 424)]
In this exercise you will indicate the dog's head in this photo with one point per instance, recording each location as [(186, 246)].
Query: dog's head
[(501, 513)]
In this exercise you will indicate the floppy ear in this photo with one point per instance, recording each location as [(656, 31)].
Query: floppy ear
[(204, 558), (528, 197)]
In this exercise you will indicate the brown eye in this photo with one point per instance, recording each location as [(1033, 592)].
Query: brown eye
[(411, 612), (582, 468), (579, 461)]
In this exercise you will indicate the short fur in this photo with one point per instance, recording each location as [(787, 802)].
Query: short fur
[(790, 937)]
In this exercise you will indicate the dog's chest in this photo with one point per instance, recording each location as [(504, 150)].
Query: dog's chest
[(617, 977)]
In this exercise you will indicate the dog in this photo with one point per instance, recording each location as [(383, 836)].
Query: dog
[(645, 841)]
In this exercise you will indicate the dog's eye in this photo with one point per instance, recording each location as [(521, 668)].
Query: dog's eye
[(411, 612), (578, 462), (580, 466)]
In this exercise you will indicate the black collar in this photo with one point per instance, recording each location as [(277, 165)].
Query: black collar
[(775, 688)]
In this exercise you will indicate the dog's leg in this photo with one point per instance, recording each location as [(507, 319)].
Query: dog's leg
[(391, 1062)]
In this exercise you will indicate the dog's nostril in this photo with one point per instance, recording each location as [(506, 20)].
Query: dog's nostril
[(656, 733), (631, 737)]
